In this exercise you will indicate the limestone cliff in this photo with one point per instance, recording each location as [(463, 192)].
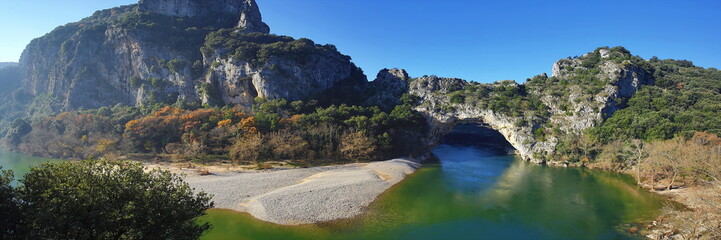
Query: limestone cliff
[(596, 85), (150, 52), (123, 55), (243, 67)]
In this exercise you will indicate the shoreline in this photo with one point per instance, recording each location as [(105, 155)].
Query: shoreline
[(672, 222), (299, 196)]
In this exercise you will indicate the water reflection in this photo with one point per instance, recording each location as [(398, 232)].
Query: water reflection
[(464, 172)]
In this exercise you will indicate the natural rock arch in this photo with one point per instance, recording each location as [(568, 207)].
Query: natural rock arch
[(521, 138), (543, 112)]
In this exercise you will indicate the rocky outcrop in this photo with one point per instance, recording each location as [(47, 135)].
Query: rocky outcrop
[(246, 11), (388, 87), (579, 109), (282, 68), (240, 82)]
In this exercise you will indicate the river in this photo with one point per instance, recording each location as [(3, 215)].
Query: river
[(477, 193), (19, 163), (472, 192)]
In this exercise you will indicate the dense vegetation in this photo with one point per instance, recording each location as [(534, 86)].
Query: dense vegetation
[(684, 100), (585, 72), (100, 200), (9, 206), (258, 48), (505, 97), (303, 132)]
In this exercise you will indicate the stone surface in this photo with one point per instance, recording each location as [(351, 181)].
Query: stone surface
[(240, 82)]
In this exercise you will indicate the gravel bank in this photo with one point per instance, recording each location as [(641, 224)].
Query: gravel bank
[(304, 196)]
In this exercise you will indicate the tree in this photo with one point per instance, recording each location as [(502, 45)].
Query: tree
[(357, 146), (637, 152), (9, 208), (247, 148), (110, 200), (668, 157), (286, 144)]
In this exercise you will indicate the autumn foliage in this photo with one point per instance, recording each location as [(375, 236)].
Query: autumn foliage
[(274, 130), (682, 162)]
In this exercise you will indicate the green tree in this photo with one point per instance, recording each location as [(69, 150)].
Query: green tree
[(110, 200), (9, 209)]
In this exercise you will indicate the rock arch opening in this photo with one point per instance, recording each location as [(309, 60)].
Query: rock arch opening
[(476, 133)]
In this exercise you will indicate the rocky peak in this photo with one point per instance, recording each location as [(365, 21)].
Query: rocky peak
[(441, 84), (246, 11), (392, 78), (561, 65), (605, 53), (388, 87), (251, 20)]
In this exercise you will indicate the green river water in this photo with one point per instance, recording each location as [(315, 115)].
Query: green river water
[(476, 193), (471, 193)]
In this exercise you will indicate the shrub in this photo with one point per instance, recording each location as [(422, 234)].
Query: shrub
[(357, 146), (247, 149), (103, 200), (458, 98)]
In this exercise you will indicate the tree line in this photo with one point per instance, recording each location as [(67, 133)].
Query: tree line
[(274, 130)]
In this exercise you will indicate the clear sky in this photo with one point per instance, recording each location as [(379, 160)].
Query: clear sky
[(482, 41)]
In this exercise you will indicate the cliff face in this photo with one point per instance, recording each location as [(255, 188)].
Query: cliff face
[(581, 106), (119, 56), (245, 66), (245, 11), (151, 52), (103, 66), (239, 82), (220, 52)]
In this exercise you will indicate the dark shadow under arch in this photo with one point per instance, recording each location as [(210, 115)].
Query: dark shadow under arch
[(475, 133)]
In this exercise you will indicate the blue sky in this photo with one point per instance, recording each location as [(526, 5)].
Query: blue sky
[(482, 41)]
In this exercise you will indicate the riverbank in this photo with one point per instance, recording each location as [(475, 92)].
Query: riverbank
[(697, 217), (701, 219), (302, 195)]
